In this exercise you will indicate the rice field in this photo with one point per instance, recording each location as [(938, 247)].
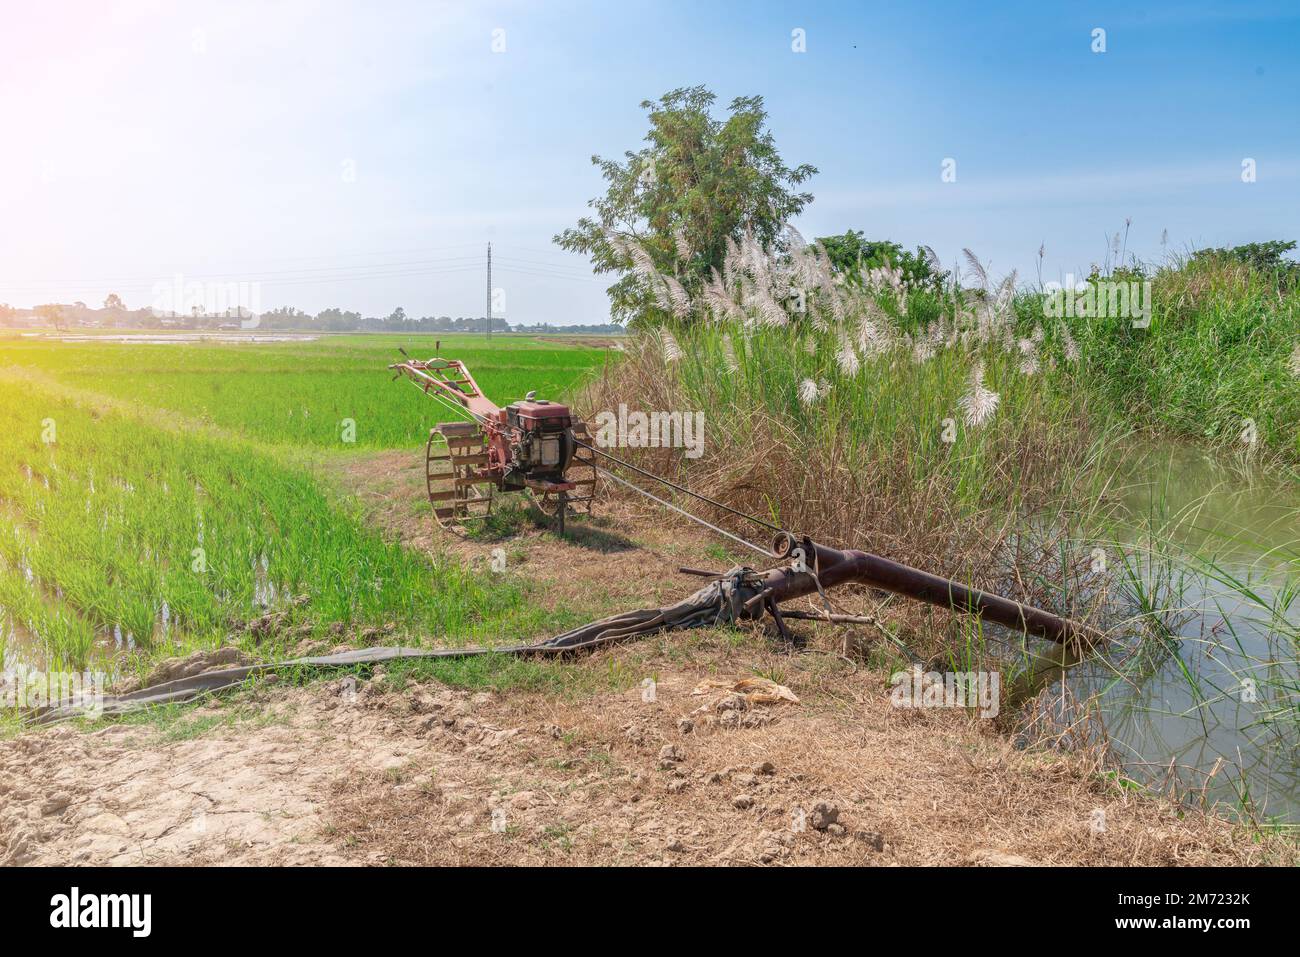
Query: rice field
[(154, 497), (304, 393)]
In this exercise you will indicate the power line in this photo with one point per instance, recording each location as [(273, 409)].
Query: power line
[(548, 275), (136, 287), (540, 265), (544, 252), (519, 266)]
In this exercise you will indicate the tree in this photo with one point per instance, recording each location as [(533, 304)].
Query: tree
[(114, 303), (1267, 258), (698, 183), (852, 256), (51, 313), (336, 320), (285, 317)]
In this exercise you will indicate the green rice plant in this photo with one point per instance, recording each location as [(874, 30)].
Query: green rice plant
[(115, 529)]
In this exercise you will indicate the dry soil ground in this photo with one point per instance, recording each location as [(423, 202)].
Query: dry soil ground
[(619, 761)]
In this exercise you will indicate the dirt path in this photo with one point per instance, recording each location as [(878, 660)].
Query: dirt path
[(628, 765), (396, 772)]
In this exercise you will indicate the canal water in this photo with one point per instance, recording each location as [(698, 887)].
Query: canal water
[(1211, 699)]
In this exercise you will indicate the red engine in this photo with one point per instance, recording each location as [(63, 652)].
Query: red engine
[(539, 435)]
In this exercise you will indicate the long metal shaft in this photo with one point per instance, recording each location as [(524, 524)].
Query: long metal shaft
[(830, 567)]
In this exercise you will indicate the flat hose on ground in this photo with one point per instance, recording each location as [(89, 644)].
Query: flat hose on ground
[(707, 606), (741, 593)]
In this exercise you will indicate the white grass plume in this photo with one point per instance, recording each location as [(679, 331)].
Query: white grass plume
[(642, 262), (808, 392), (873, 335), (1070, 348), (980, 403), (678, 298), (729, 355), (1028, 356), (720, 303), (770, 312), (644, 266), (672, 352), (618, 243), (683, 245), (732, 265), (976, 268), (848, 357)]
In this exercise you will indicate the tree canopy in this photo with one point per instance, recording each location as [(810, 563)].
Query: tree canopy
[(1268, 258), (699, 182), (852, 256)]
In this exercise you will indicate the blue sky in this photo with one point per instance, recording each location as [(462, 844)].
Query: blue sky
[(362, 155)]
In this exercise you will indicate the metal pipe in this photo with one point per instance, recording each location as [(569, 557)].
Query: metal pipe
[(834, 567)]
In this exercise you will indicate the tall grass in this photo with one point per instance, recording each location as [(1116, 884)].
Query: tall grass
[(919, 417), (966, 430), (1221, 354), (912, 422)]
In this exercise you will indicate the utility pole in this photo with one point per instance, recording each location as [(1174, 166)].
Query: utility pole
[(489, 293)]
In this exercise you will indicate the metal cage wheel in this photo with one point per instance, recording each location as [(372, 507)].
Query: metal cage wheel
[(455, 454)]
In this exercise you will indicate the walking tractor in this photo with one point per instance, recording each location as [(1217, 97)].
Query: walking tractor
[(533, 445)]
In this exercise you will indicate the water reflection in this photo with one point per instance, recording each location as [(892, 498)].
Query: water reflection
[(1211, 699)]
